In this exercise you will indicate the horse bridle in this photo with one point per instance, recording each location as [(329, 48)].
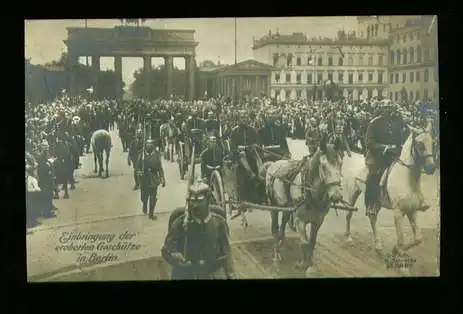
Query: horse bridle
[(415, 155)]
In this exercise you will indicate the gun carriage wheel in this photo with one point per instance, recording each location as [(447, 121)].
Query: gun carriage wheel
[(218, 191)]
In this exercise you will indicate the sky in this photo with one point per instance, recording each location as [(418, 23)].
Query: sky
[(44, 38)]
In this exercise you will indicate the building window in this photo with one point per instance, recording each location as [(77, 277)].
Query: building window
[(319, 78), (376, 30), (330, 76), (299, 93), (351, 78), (417, 95), (298, 61), (330, 60), (288, 93), (368, 32), (392, 57), (275, 59), (397, 56), (341, 77), (360, 60), (298, 78), (411, 38), (425, 94), (391, 78), (404, 61), (360, 77), (370, 60), (426, 75), (277, 77), (418, 54), (350, 61), (309, 78), (380, 60), (309, 61), (320, 61), (426, 54), (397, 78), (288, 78), (405, 38), (412, 77), (404, 77), (418, 35), (340, 61), (412, 55), (380, 77), (370, 77), (396, 96), (410, 98), (289, 61), (384, 28), (418, 76), (390, 95)]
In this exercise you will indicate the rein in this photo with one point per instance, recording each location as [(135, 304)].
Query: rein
[(414, 156)]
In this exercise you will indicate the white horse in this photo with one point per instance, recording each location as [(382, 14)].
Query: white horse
[(401, 191)]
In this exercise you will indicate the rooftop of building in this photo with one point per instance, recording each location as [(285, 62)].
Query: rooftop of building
[(342, 38)]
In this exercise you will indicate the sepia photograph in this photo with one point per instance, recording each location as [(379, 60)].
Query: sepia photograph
[(232, 148)]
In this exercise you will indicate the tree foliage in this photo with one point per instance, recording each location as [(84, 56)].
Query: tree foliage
[(44, 82), (158, 83)]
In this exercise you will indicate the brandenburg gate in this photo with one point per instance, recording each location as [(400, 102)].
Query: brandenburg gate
[(130, 41)]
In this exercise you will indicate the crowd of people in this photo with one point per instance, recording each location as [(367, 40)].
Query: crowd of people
[(58, 133)]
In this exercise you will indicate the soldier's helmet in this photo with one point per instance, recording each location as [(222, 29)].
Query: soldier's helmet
[(139, 133), (198, 190)]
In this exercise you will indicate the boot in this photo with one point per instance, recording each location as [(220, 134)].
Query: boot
[(137, 184), (151, 209)]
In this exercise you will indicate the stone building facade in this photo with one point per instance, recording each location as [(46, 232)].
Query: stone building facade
[(366, 63)]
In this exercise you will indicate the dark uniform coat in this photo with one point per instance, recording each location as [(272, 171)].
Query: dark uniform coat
[(153, 173), (272, 133), (207, 247), (381, 131)]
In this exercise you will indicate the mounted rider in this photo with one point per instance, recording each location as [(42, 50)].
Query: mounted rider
[(211, 125), (273, 133), (337, 129), (197, 245), (312, 136), (211, 157), (242, 138), (151, 174), (384, 139)]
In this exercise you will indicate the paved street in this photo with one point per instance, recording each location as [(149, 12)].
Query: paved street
[(111, 206)]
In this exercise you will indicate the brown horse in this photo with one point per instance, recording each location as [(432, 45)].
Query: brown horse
[(313, 185), (101, 142)]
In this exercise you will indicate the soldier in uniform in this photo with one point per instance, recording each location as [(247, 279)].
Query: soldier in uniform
[(273, 133), (312, 136), (211, 125), (45, 178), (384, 140), (194, 122), (212, 156), (242, 137), (151, 174), (135, 151), (338, 130), (197, 245)]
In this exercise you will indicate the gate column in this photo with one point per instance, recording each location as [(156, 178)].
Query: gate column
[(95, 73), (191, 77), (73, 61), (147, 76), (169, 62), (118, 72)]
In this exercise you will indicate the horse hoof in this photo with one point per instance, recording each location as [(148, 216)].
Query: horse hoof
[(404, 271), (309, 272), (349, 240)]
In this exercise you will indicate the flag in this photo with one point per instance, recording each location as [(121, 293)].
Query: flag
[(434, 19)]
